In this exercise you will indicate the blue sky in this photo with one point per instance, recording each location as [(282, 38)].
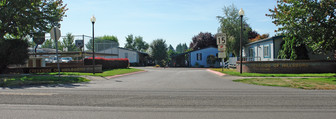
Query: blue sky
[(175, 21)]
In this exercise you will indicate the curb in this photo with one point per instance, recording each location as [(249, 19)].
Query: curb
[(116, 76), (215, 72)]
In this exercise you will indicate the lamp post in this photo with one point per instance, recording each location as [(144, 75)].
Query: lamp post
[(241, 14), (93, 20)]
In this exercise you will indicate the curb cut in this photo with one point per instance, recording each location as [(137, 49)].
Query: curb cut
[(215, 72), (116, 76)]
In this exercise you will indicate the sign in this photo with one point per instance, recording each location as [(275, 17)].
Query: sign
[(79, 43), (221, 55), (221, 39), (39, 38), (221, 48), (55, 33)]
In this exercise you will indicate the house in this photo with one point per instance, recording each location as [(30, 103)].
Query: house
[(135, 57), (263, 50), (196, 58), (268, 50)]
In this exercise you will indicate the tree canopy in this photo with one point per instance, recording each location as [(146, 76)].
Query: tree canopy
[(159, 51), (305, 23), (181, 48), (68, 43), (136, 43), (230, 26), (203, 40), (21, 18), (103, 43)]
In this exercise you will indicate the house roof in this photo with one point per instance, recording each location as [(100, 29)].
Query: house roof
[(263, 40)]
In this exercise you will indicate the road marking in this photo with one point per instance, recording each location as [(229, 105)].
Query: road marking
[(215, 72), (27, 94)]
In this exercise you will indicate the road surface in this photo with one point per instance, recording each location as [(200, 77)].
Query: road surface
[(171, 93)]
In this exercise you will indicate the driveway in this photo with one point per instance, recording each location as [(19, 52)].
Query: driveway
[(177, 93)]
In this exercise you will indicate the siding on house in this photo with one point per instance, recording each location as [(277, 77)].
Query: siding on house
[(200, 56), (132, 56), (263, 50)]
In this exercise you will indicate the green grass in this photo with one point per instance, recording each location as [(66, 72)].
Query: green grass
[(10, 81), (233, 72), (301, 83), (104, 74)]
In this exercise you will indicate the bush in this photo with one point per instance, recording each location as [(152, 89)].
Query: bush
[(14, 51), (108, 63)]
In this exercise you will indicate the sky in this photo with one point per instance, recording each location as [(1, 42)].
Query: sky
[(175, 21)]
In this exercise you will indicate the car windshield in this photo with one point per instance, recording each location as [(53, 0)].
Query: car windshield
[(66, 58)]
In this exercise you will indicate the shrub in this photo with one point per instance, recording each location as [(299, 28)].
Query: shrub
[(108, 63), (13, 51)]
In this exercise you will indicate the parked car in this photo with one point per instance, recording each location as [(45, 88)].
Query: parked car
[(66, 59), (54, 59)]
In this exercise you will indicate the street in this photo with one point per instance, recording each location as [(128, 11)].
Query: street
[(171, 93)]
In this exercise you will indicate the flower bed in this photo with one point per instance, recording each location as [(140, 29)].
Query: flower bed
[(108, 63)]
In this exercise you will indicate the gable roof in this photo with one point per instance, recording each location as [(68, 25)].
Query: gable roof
[(264, 40)]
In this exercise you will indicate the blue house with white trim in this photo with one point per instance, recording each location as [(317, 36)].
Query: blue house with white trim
[(196, 58), (263, 50)]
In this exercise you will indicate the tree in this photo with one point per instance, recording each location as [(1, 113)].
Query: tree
[(171, 48), (13, 51), (130, 42), (230, 26), (48, 44), (140, 45), (203, 40), (103, 43), (179, 48), (136, 43), (68, 42), (305, 24), (21, 18), (159, 51)]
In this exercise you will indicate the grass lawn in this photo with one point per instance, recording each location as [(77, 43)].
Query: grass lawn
[(10, 81), (104, 74), (235, 73), (301, 83)]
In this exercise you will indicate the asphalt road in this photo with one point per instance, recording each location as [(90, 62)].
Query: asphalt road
[(173, 93)]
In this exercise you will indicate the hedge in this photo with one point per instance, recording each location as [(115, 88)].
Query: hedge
[(108, 63)]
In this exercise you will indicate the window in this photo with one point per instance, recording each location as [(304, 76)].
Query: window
[(267, 51), (199, 56)]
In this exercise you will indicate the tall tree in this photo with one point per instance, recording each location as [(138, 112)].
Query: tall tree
[(171, 48), (130, 42), (184, 47), (304, 23), (68, 42), (136, 43), (103, 43), (140, 44), (179, 48), (203, 40), (230, 26), (48, 44), (21, 18), (159, 51)]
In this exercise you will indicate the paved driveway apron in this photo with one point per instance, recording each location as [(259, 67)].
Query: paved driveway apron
[(167, 93)]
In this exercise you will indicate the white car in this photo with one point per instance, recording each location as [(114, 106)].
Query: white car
[(66, 59)]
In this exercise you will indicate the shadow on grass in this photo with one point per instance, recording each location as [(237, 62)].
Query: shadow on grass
[(24, 81)]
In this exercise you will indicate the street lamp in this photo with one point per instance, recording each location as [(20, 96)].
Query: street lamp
[(241, 14), (93, 20)]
